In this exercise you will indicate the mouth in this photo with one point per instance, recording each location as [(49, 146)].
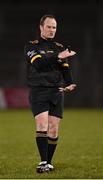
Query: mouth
[(51, 34)]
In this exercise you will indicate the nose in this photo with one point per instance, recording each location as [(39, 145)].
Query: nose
[(52, 29)]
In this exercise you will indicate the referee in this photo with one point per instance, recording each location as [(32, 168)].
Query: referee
[(48, 74)]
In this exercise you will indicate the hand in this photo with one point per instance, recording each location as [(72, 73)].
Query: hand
[(66, 53), (71, 87)]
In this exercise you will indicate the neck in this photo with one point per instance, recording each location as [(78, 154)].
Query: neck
[(43, 37)]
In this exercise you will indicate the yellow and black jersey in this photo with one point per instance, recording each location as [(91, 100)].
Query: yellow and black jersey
[(43, 65)]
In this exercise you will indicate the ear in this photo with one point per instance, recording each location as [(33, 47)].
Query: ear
[(41, 27)]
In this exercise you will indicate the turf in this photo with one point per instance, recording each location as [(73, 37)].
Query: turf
[(79, 153)]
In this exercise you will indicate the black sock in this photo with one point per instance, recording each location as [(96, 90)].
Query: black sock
[(52, 143), (42, 144)]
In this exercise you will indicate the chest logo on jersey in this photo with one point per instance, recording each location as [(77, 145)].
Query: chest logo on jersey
[(42, 52)]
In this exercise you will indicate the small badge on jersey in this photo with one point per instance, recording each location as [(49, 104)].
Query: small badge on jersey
[(31, 53)]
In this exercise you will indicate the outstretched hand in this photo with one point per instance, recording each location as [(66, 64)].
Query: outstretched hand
[(69, 88), (66, 53)]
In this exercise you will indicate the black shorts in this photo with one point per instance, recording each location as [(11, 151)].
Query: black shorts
[(47, 99)]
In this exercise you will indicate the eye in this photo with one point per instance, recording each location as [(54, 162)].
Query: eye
[(49, 27), (54, 27)]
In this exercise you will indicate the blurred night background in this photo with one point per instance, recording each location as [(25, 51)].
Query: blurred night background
[(80, 24)]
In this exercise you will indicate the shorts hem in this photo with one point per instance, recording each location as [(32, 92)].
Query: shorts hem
[(61, 117)]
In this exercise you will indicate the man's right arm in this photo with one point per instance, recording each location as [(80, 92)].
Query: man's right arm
[(39, 59)]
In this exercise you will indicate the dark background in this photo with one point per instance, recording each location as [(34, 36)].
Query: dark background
[(80, 24)]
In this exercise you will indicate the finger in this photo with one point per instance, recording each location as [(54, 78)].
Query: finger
[(61, 89), (66, 89), (74, 85), (73, 52)]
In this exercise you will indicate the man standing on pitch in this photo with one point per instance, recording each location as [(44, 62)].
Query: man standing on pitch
[(48, 77)]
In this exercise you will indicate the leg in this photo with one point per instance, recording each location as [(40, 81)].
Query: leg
[(55, 114), (52, 135), (41, 134), (42, 139), (40, 107)]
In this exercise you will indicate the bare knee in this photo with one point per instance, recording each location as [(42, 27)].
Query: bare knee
[(42, 121), (53, 126), (52, 132)]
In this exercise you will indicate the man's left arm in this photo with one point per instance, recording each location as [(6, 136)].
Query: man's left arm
[(65, 69)]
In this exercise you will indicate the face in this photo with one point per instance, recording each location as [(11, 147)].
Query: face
[(48, 29)]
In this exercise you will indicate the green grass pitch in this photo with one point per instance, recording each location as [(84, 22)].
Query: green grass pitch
[(79, 154)]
